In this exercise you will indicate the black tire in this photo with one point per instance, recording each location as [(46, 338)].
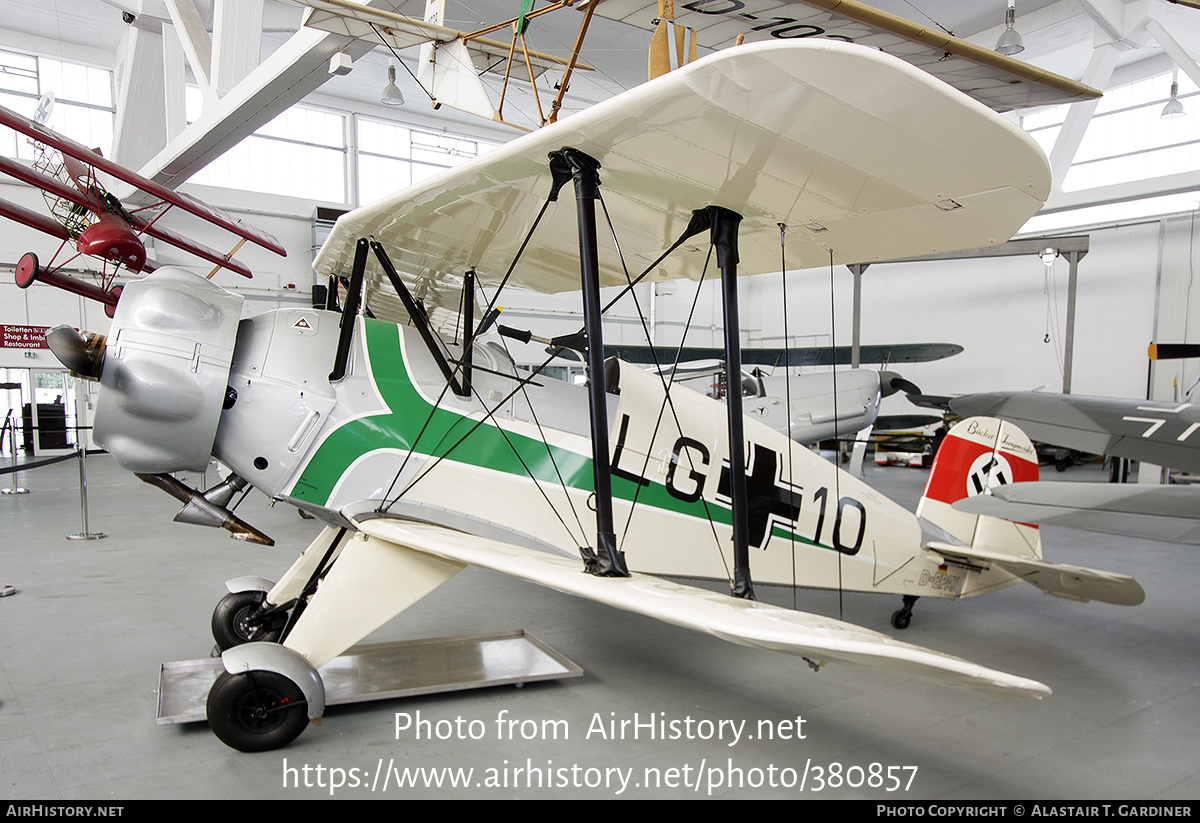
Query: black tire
[(231, 623), (256, 711), (901, 619)]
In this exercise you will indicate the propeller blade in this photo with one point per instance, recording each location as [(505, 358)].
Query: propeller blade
[(81, 352)]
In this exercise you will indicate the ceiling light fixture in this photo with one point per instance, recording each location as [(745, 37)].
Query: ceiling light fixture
[(1173, 108), (1010, 42), (391, 92)]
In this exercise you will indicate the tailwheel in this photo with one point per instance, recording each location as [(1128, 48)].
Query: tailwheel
[(240, 618), (903, 616), (256, 711)]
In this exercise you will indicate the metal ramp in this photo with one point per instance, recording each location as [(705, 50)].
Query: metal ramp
[(380, 671)]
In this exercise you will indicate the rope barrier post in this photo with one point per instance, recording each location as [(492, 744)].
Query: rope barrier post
[(11, 427), (83, 506)]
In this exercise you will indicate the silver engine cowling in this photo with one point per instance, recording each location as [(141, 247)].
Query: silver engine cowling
[(165, 372)]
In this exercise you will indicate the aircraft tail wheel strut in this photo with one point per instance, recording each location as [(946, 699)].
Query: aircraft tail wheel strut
[(902, 616)]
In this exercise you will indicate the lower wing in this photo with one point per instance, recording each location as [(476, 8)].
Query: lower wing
[(744, 622)]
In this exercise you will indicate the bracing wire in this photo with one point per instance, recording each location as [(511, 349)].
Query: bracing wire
[(787, 391), (837, 475), (667, 401)]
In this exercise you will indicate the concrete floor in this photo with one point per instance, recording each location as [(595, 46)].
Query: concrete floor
[(82, 640)]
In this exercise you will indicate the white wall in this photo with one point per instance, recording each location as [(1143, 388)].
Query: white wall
[(996, 308)]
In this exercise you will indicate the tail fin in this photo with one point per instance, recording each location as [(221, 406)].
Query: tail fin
[(978, 454)]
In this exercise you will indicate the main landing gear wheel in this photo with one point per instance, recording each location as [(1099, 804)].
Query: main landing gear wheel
[(903, 616), (256, 711), (27, 270), (237, 619)]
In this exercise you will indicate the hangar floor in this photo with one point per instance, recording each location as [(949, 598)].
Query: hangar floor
[(91, 621)]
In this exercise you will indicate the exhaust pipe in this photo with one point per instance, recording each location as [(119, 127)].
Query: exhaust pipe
[(209, 509)]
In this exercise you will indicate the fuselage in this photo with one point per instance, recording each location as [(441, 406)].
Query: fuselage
[(513, 461)]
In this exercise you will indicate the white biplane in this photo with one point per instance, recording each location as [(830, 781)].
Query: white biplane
[(424, 452)]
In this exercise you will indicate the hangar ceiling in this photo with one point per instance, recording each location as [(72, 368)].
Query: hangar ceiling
[(262, 61)]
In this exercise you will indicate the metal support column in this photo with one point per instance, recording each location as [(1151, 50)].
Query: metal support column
[(1069, 342), (605, 561), (857, 269)]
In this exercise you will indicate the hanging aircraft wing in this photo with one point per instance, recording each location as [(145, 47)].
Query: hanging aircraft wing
[(745, 622), (801, 356), (397, 31), (784, 132), (1000, 82), (78, 151), (33, 220), (1166, 434), (1169, 513)]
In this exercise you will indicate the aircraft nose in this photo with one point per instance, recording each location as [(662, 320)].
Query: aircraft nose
[(81, 352), (892, 382)]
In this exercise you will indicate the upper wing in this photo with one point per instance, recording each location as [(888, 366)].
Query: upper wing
[(800, 356), (1001, 82), (746, 622), (792, 133), (1170, 513), (78, 151), (1161, 433)]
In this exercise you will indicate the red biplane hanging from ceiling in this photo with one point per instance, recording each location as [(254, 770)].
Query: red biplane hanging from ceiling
[(96, 222)]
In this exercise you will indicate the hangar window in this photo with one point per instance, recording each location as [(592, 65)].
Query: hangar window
[(300, 153), (1127, 138), (83, 95), (392, 156)]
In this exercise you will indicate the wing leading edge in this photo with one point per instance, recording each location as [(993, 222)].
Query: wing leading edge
[(745, 622)]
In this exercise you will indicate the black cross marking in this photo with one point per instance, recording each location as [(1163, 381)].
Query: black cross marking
[(767, 496)]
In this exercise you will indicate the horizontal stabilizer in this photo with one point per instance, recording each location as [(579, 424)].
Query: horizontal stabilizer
[(744, 622), (1167, 513), (1058, 579)]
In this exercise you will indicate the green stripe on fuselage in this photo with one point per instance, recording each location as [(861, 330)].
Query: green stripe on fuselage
[(399, 427)]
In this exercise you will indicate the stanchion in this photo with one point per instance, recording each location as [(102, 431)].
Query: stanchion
[(83, 506), (11, 428)]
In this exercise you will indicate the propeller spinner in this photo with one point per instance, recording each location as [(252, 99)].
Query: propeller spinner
[(81, 352)]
